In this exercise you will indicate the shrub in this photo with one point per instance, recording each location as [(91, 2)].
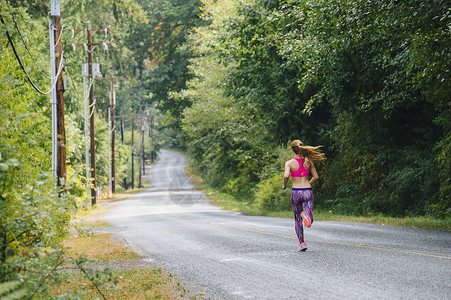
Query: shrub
[(270, 196), (33, 221)]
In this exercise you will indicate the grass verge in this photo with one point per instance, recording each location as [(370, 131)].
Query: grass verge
[(98, 246), (132, 284), (229, 202), (114, 270)]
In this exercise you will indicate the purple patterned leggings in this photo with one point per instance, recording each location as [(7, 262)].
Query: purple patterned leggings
[(301, 200)]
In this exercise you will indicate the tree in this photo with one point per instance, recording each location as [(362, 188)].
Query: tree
[(361, 54), (162, 58), (223, 140)]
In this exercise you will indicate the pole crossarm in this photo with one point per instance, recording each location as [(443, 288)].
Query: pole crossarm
[(132, 116), (78, 30), (120, 78), (92, 44)]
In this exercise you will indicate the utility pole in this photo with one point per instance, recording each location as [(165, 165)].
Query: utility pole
[(153, 142), (92, 148), (133, 150), (133, 117), (58, 94), (122, 140), (113, 135), (148, 131), (85, 74), (143, 158), (88, 47), (141, 152), (122, 132)]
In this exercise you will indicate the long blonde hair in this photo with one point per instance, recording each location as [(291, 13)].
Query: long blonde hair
[(312, 153)]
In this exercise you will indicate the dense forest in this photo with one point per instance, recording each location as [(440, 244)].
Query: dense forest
[(231, 83), (368, 80)]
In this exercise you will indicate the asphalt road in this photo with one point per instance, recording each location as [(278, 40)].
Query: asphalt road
[(226, 255)]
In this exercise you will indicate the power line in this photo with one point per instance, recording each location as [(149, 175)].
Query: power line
[(25, 44), (91, 74), (21, 64), (72, 80)]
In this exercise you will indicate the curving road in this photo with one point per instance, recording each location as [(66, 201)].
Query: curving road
[(226, 255)]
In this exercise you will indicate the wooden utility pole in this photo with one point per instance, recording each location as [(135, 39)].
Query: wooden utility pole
[(113, 135), (153, 142), (133, 117), (141, 152), (133, 155), (91, 75), (61, 131), (122, 132), (92, 148)]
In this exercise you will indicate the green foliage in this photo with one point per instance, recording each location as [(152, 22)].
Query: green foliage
[(223, 144), (367, 79), (224, 140), (99, 281), (11, 290), (33, 221), (364, 57), (270, 196), (34, 217), (162, 60), (263, 81)]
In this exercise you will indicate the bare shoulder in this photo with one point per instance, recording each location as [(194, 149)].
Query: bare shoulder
[(291, 163)]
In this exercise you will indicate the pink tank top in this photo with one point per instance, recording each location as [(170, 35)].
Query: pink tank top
[(302, 171)]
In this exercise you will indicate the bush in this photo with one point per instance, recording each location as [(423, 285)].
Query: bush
[(270, 196), (33, 222)]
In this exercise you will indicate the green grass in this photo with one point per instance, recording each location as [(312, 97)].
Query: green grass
[(93, 224), (98, 246), (418, 222), (149, 283), (228, 202), (131, 284)]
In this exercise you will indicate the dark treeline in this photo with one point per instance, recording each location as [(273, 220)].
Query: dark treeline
[(369, 80)]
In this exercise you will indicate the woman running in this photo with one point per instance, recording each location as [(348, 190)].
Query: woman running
[(300, 168)]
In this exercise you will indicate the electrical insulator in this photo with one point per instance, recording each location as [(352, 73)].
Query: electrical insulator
[(84, 71), (55, 8)]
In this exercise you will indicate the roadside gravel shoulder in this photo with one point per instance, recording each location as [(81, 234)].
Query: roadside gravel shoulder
[(96, 239)]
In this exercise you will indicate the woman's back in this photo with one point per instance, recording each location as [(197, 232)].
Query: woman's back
[(299, 169)]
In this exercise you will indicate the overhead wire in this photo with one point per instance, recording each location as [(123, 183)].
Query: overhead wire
[(93, 105), (92, 108), (25, 44), (68, 72), (23, 67), (91, 81), (59, 38), (29, 52)]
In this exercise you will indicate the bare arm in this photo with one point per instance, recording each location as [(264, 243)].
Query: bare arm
[(314, 173), (286, 175)]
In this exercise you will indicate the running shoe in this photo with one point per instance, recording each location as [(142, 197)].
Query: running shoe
[(302, 247), (306, 219)]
